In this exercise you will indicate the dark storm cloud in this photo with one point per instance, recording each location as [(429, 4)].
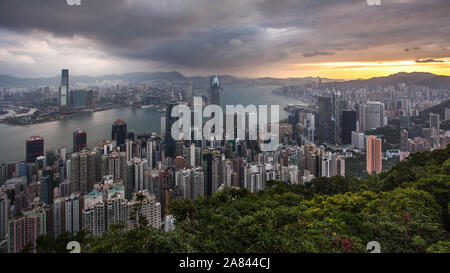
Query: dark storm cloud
[(414, 48), (316, 53), (234, 33)]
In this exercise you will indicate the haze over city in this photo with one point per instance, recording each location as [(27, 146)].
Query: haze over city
[(333, 39)]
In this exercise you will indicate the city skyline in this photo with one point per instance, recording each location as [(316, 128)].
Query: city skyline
[(339, 40), (224, 126)]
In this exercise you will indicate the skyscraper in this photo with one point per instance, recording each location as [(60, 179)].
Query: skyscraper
[(198, 188), (374, 155), (79, 140), (348, 125), (93, 169), (46, 187), (207, 168), (78, 98), (64, 88), (403, 140), (309, 125), (371, 115), (139, 168), (79, 172), (119, 132), (405, 122), (4, 209), (215, 90), (447, 114), (149, 153), (326, 120), (73, 206), (94, 214), (89, 98), (168, 139), (434, 123), (217, 172), (34, 148)]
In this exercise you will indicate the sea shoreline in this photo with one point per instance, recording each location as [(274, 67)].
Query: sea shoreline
[(19, 121)]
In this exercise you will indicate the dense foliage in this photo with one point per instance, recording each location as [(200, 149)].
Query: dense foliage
[(405, 209), (356, 165)]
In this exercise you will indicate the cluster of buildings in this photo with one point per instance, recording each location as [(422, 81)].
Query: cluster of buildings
[(91, 188), (69, 100), (418, 139), (346, 119), (131, 176)]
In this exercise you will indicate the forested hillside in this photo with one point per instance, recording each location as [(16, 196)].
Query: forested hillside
[(405, 209)]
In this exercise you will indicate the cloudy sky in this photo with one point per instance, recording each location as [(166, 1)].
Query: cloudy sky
[(344, 39)]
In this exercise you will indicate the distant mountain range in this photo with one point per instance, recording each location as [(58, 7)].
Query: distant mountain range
[(134, 77), (413, 78), (416, 78), (138, 77)]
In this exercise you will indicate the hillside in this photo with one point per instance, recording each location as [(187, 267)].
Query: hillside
[(413, 78), (135, 77), (416, 78), (437, 109), (405, 209), (438, 82)]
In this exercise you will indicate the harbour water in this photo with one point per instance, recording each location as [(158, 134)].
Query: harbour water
[(98, 124)]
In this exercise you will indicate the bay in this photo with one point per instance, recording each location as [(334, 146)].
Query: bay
[(58, 133)]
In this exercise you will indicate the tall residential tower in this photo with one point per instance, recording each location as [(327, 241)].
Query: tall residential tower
[(374, 155)]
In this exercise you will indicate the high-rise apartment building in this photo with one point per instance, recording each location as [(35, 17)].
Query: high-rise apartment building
[(358, 140), (79, 172), (403, 140), (79, 140), (4, 210), (447, 114), (434, 124), (332, 165), (374, 155), (139, 167), (25, 229), (73, 206), (94, 218), (254, 177), (149, 153), (143, 204), (119, 133), (309, 127), (78, 99), (34, 148)]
